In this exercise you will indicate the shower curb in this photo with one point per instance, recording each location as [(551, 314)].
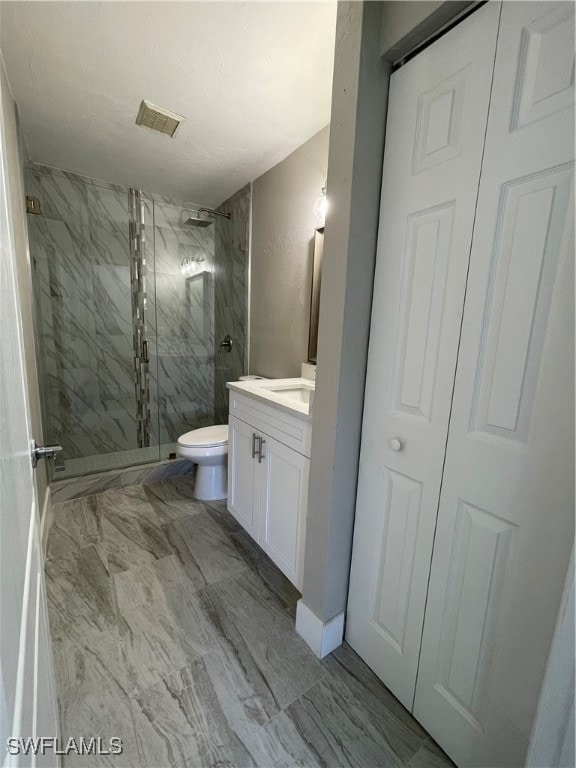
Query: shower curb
[(87, 485)]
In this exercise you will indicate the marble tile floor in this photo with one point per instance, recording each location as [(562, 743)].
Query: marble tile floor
[(173, 631)]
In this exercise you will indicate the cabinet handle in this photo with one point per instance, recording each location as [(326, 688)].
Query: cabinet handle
[(260, 454), (254, 438)]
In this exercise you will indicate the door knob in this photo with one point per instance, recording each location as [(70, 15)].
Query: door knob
[(43, 452), (395, 444)]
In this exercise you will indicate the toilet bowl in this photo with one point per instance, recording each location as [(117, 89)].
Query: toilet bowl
[(208, 448)]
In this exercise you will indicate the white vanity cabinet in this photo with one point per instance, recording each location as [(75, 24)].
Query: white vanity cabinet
[(268, 468)]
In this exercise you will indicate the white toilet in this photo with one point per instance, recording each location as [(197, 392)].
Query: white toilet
[(207, 447)]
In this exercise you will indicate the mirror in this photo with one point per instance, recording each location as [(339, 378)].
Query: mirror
[(315, 297)]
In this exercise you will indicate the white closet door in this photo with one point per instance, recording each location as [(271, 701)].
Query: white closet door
[(435, 133), (506, 515)]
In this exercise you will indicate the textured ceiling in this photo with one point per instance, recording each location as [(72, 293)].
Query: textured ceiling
[(253, 81)]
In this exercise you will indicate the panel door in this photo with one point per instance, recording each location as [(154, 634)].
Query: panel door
[(437, 117), (27, 690), (243, 476), (283, 502), (506, 515)]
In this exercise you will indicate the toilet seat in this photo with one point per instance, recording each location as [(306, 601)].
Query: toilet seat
[(206, 437)]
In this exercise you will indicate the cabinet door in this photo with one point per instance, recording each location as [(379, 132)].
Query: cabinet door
[(243, 476), (283, 501), (506, 515), (436, 122)]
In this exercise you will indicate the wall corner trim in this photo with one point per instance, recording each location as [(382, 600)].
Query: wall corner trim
[(45, 520), (323, 638)]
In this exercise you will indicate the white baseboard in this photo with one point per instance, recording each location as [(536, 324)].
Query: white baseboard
[(322, 638)]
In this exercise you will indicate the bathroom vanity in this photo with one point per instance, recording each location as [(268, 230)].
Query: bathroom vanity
[(270, 430)]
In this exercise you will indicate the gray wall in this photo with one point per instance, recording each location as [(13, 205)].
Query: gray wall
[(359, 103), (283, 225), (16, 198), (359, 99)]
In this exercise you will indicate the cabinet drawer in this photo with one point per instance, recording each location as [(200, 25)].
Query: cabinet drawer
[(282, 426)]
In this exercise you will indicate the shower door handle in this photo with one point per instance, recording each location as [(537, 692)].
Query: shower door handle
[(145, 351)]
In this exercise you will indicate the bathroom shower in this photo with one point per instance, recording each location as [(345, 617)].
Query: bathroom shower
[(133, 298)]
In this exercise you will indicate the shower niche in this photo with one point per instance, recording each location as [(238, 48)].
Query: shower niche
[(133, 295)]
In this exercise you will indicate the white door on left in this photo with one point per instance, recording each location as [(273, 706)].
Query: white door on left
[(27, 692)]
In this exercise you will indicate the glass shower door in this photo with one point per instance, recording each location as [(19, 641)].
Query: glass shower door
[(184, 331), (133, 303), (80, 247), (201, 298)]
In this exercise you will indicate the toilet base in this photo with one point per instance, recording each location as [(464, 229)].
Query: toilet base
[(211, 482)]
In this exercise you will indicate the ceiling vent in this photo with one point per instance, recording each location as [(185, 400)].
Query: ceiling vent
[(158, 119)]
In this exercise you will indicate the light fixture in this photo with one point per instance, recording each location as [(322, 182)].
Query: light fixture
[(321, 205)]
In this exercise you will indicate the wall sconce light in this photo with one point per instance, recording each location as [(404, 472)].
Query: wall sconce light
[(321, 205)]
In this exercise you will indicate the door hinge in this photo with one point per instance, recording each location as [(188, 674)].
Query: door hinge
[(43, 452), (33, 205)]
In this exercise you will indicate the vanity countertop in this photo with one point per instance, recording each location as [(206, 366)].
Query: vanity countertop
[(295, 396)]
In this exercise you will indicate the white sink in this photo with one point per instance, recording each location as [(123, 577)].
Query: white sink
[(293, 395), (300, 393)]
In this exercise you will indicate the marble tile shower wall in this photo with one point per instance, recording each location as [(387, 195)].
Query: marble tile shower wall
[(231, 296), (81, 259), (82, 281)]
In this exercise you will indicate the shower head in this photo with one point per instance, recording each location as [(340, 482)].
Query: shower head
[(198, 221), (195, 222)]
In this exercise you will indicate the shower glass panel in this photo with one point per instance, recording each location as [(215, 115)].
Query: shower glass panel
[(132, 305), (201, 283), (183, 362), (82, 268)]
